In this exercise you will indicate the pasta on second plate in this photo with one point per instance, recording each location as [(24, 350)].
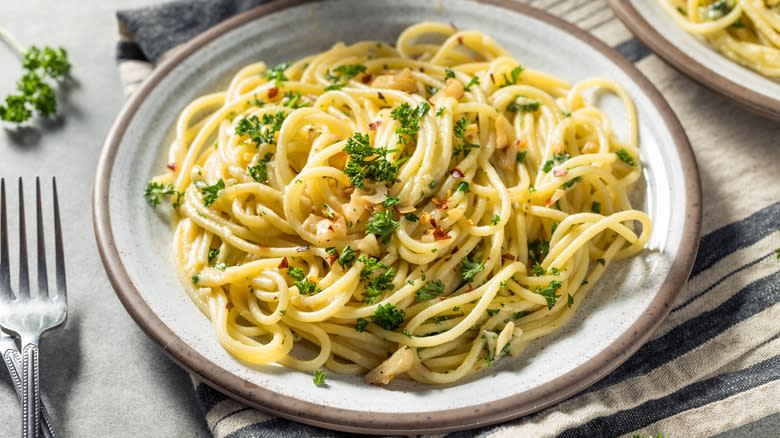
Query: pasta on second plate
[(746, 31), (420, 209)]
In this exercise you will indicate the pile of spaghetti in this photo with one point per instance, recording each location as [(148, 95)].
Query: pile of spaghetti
[(419, 209), (746, 31)]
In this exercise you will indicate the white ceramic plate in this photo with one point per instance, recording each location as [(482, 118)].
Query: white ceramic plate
[(697, 59), (619, 315)]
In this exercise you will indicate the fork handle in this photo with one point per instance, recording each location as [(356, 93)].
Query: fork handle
[(13, 361), (31, 396)]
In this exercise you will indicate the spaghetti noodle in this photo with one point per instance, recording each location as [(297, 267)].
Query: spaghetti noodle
[(422, 209)]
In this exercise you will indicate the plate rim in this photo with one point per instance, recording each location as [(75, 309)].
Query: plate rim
[(702, 74), (388, 423)]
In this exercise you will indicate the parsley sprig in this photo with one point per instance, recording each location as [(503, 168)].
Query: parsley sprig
[(470, 268), (432, 289), (342, 74), (409, 119), (35, 92), (155, 192), (550, 293), (259, 172), (304, 285), (463, 146), (261, 131), (383, 225), (388, 316)]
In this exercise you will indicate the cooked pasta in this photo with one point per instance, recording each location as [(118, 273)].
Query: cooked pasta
[(420, 209), (746, 31)]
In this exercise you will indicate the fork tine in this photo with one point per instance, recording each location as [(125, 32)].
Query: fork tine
[(62, 290), (24, 277), (43, 281), (5, 271)]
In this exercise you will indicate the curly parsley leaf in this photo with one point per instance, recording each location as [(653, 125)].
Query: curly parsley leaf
[(342, 74), (550, 293), (277, 73), (470, 268), (464, 146), (409, 119), (304, 285), (557, 159), (367, 162), (432, 289), (360, 324), (155, 192), (211, 193), (524, 107), (261, 131), (259, 172), (383, 225), (347, 257), (514, 75), (388, 316)]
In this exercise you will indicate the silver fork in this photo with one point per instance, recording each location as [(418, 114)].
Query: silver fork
[(25, 316)]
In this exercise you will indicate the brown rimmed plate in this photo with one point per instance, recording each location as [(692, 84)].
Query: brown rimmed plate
[(697, 59), (616, 319)]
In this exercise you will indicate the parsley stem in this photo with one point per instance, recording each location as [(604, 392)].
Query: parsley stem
[(12, 42)]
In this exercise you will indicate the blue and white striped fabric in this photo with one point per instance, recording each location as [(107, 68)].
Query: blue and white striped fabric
[(713, 367)]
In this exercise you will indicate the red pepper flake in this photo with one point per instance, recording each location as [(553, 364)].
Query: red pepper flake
[(422, 69), (284, 263), (439, 234), (560, 171), (457, 173), (366, 78), (172, 166), (228, 306), (272, 92), (460, 39), (508, 256), (471, 287), (454, 250), (442, 204), (433, 223), (333, 257), (374, 125), (441, 298)]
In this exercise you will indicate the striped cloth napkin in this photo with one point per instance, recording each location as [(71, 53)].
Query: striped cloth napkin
[(713, 367)]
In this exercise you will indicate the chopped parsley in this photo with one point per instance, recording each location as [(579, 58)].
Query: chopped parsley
[(411, 217), (449, 74), (520, 157), (440, 111), (294, 100), (319, 377), (261, 131), (409, 119), (383, 225), (213, 254), (155, 192), (472, 82), (367, 162), (717, 9), (523, 107), (388, 316), (538, 270), (569, 300), (537, 251), (492, 312), (304, 285), (211, 193), (601, 261), (626, 157), (360, 324), (277, 73), (390, 201), (595, 207), (549, 293), (460, 133), (520, 314), (379, 285), (495, 219), (342, 74), (369, 265), (565, 114), (432, 289), (514, 75), (195, 279), (470, 268), (259, 172), (557, 159), (347, 257), (463, 186)]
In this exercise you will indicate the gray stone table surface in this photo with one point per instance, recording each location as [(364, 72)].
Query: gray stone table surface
[(102, 376)]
